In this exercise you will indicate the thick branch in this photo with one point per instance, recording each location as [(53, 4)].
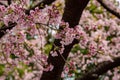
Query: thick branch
[(10, 26), (9, 2), (58, 63), (72, 13), (101, 69), (113, 11)]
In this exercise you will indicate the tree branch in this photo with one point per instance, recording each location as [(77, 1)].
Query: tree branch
[(113, 11), (3, 30), (9, 2), (44, 2), (101, 69), (72, 13), (41, 5), (3, 4)]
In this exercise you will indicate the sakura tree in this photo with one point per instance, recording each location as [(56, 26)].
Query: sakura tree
[(59, 40)]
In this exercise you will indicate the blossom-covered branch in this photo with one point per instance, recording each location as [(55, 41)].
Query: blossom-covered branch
[(10, 26), (109, 8), (49, 44), (41, 5), (102, 68), (72, 14)]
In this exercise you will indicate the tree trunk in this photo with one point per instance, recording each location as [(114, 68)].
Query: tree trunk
[(72, 13)]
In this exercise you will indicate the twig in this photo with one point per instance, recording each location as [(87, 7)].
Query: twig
[(4, 28), (114, 12), (41, 5)]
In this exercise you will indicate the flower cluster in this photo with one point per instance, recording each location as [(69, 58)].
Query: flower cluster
[(22, 55), (102, 42)]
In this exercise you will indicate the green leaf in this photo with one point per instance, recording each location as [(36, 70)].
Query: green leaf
[(75, 48), (98, 11), (31, 65), (109, 38), (84, 51), (29, 37), (10, 77), (13, 56), (1, 24), (47, 48), (2, 69), (20, 71), (30, 50), (106, 28), (92, 8)]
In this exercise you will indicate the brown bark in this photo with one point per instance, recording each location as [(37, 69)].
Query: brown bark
[(102, 68), (9, 2), (72, 13)]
